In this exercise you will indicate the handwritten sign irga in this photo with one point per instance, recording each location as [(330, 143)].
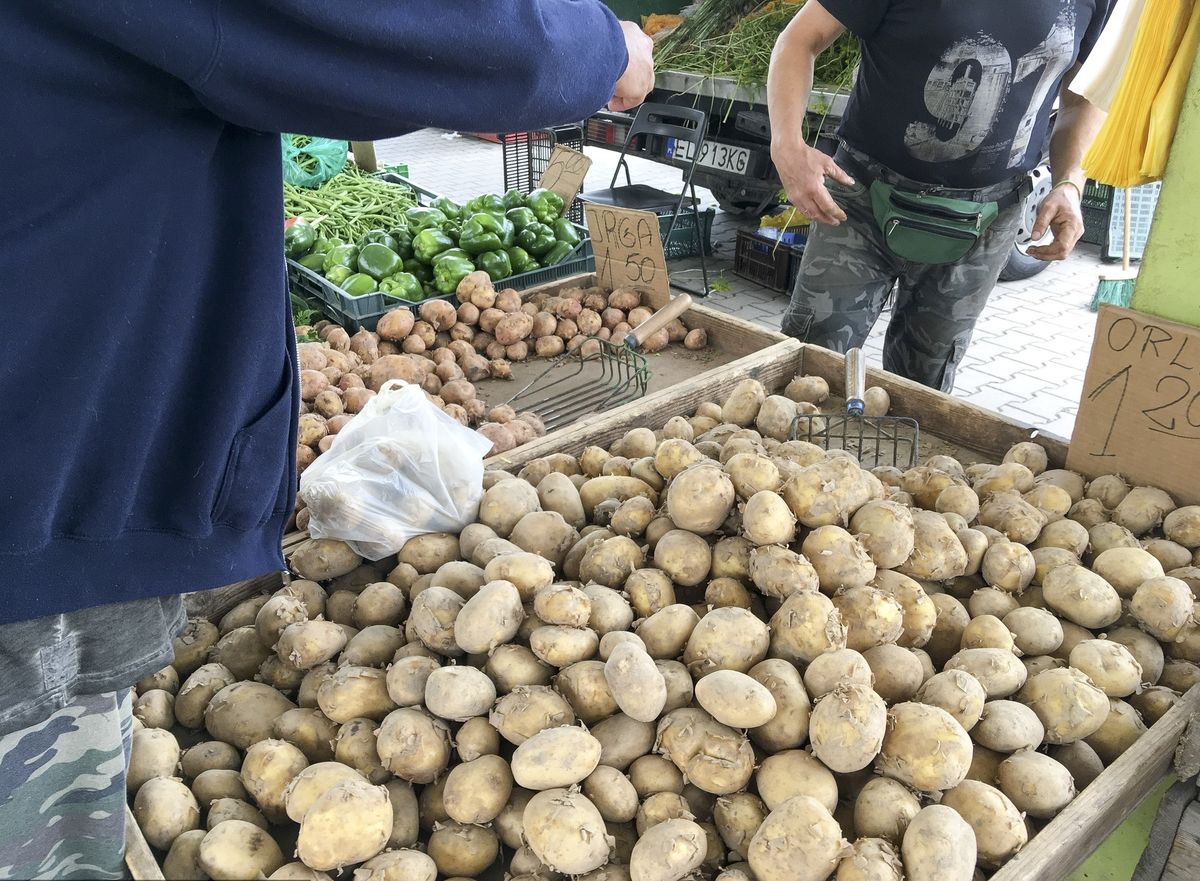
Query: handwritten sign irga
[(564, 173), (629, 251), (1139, 415)]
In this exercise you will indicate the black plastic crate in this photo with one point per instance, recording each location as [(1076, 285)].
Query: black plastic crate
[(766, 262), (366, 310), (686, 240), (527, 154)]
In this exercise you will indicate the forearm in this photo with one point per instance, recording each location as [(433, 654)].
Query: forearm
[(1078, 123), (789, 85)]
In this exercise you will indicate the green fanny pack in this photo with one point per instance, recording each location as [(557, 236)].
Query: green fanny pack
[(929, 229)]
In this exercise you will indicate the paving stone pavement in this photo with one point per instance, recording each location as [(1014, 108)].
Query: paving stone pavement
[(1031, 344)]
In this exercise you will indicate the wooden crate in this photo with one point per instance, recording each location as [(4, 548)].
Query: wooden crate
[(1069, 838)]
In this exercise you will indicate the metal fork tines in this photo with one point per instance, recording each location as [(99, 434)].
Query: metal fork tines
[(884, 440)]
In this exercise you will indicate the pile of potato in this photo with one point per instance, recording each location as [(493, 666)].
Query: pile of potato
[(706, 652), (447, 350)]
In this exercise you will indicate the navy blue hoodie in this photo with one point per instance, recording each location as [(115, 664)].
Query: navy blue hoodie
[(146, 347)]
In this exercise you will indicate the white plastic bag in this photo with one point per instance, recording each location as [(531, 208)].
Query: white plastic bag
[(399, 469)]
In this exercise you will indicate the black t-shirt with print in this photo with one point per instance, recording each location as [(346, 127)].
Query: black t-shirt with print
[(959, 92)]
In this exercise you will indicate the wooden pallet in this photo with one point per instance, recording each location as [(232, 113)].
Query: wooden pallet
[(1071, 836)]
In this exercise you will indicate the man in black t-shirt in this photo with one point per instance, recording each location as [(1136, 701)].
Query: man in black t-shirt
[(948, 114)]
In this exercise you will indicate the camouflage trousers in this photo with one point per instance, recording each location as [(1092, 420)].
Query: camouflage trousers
[(62, 792), (847, 273)]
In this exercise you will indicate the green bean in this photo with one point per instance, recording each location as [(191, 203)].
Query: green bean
[(352, 203)]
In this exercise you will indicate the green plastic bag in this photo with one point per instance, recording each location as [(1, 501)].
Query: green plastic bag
[(309, 162)]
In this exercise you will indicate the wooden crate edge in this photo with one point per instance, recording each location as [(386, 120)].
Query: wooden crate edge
[(139, 858)]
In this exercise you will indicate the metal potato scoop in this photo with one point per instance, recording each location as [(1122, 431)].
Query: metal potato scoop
[(577, 384), (873, 440)]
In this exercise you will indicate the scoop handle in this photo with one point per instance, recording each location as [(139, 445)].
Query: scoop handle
[(660, 319), (856, 381)]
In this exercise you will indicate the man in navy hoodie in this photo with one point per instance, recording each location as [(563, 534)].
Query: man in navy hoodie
[(148, 334)]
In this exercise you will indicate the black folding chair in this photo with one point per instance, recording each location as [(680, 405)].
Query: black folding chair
[(686, 125)]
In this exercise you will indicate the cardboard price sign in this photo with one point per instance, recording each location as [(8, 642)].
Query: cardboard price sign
[(629, 251), (565, 173), (1140, 411)]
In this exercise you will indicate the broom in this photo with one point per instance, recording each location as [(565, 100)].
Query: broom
[(1117, 289)]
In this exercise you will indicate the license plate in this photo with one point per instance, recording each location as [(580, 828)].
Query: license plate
[(713, 154)]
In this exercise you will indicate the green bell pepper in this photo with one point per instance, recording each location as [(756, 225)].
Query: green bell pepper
[(546, 204), (298, 238), (520, 260), (513, 198), (429, 289), (449, 271), (453, 252), (452, 230), (338, 274), (500, 225), (404, 285), (423, 218), (379, 261), (403, 242), (323, 245), (476, 238), (423, 273), (537, 239), (428, 243), (340, 255), (565, 231), (521, 217), (496, 264), (312, 261), (447, 206), (557, 254), (488, 202), (358, 284), (377, 236)]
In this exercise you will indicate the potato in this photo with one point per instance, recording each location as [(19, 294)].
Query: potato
[(998, 670), (683, 557), (987, 631), (236, 849), (1109, 665), (224, 809), (776, 571), (1080, 760), (991, 601), (566, 831), (1007, 726), (1143, 509), (898, 673), (1034, 631), (883, 809), (313, 782), (737, 817), (871, 616), (798, 841), (700, 498), (828, 492), (196, 692), (1120, 729), (838, 558), (1169, 554), (1179, 676), (528, 709), (726, 639), (1081, 597), (244, 713), (462, 851), (356, 746), (350, 823), (1163, 607), (666, 632), (310, 731), (958, 693), (355, 692), (735, 699), (635, 682), (610, 561), (937, 555), (1182, 526), (505, 503), (1008, 566), (871, 859), (836, 667), (458, 693), (886, 532), (668, 851), (600, 489), (410, 865), (622, 740), (679, 684), (165, 809), (775, 417), (1152, 704), (958, 499), (743, 403), (1036, 784), (810, 389), (413, 745), (154, 753), (1104, 536), (1126, 569), (613, 794), (938, 845), (1066, 534), (476, 791), (204, 756), (1069, 706), (924, 747), (847, 727), (999, 827), (183, 859), (432, 618), (555, 758), (653, 774), (766, 519), (322, 559), (952, 620), (712, 756), (373, 646)]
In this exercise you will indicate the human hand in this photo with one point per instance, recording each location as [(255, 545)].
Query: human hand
[(803, 170), (638, 79), (1061, 215)]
